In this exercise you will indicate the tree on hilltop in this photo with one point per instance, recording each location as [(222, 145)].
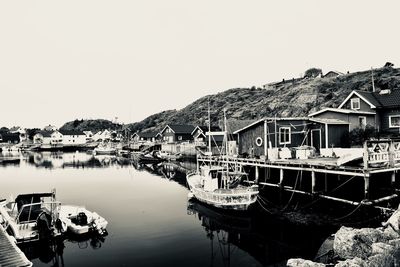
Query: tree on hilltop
[(312, 73)]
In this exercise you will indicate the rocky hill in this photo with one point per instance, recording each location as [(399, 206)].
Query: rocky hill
[(297, 97)]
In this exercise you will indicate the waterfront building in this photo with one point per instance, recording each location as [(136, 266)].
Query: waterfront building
[(177, 133), (73, 137)]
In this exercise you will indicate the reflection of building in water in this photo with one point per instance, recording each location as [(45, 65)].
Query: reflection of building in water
[(54, 159), (270, 241)]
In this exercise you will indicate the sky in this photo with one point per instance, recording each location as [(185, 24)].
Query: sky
[(88, 59)]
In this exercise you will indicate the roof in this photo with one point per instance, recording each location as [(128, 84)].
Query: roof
[(45, 133), (341, 110), (180, 128), (271, 119), (376, 100), (71, 132), (334, 72), (147, 134), (5, 137), (205, 128), (329, 121)]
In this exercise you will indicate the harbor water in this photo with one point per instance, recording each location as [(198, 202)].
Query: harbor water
[(151, 220)]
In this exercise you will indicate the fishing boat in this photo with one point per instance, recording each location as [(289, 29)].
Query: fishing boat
[(220, 185), (105, 149), (31, 217), (168, 156), (79, 220)]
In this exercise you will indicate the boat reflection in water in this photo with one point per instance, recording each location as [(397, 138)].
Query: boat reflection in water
[(270, 241), (52, 253)]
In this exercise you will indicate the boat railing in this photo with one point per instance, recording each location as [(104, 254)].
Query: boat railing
[(50, 206), (233, 198)]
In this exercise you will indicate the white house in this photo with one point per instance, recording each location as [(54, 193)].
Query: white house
[(89, 136), (102, 135), (73, 137), (48, 138), (50, 128)]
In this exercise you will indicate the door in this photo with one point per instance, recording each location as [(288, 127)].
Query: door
[(316, 138)]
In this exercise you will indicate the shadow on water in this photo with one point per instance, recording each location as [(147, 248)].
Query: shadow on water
[(51, 252), (270, 241)]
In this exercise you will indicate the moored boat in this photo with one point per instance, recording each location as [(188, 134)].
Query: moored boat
[(31, 217), (218, 187), (79, 220), (105, 149)]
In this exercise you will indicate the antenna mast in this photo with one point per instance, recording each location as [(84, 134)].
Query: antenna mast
[(372, 77)]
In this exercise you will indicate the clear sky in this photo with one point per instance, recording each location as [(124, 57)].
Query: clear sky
[(61, 60)]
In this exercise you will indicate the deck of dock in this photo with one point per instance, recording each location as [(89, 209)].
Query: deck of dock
[(10, 254)]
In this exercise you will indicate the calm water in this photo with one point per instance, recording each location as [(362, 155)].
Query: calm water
[(151, 222)]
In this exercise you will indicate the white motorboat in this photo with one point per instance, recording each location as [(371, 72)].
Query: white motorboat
[(79, 220), (31, 217)]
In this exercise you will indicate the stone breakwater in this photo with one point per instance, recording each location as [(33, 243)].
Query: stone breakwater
[(365, 247)]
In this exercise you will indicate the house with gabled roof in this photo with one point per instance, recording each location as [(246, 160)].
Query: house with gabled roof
[(146, 137), (258, 137), (177, 133), (380, 110)]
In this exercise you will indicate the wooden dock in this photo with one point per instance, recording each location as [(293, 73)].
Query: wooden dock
[(321, 177), (10, 254)]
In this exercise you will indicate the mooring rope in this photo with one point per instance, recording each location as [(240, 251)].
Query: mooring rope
[(294, 188)]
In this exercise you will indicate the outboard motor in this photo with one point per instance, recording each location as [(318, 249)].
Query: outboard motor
[(44, 225), (81, 219)]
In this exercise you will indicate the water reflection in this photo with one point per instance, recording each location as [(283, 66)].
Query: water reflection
[(51, 252), (268, 240), (149, 217)]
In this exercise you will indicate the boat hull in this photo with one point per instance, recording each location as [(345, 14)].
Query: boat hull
[(230, 199)]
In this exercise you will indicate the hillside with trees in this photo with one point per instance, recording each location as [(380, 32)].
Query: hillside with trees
[(91, 125)]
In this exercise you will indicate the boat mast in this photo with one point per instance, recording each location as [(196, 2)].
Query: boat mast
[(209, 128)]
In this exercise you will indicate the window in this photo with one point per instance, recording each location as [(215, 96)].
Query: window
[(362, 122), (394, 121), (355, 103), (180, 137), (284, 135)]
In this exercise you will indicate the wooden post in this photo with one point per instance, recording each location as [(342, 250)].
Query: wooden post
[(257, 174), (313, 182), (281, 177), (326, 182), (365, 155), (391, 154), (393, 178), (366, 187)]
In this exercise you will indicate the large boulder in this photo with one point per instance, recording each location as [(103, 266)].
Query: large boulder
[(350, 243), (303, 263), (392, 225), (380, 260), (356, 262)]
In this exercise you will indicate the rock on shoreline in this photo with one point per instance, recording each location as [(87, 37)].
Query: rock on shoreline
[(365, 247)]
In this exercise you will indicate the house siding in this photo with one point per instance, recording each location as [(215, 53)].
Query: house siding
[(351, 118), (363, 105), (384, 118)]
